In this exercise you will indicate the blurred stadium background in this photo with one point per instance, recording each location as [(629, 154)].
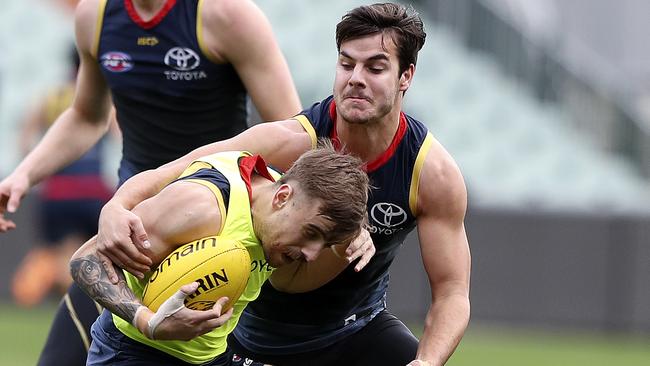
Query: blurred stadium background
[(546, 107)]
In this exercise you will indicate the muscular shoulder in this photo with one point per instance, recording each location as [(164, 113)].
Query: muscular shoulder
[(85, 22), (442, 191), (226, 13), (230, 24)]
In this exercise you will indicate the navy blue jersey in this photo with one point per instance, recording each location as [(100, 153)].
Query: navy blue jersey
[(281, 323), (169, 97)]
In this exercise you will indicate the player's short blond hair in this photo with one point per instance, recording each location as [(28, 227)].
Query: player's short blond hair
[(340, 182)]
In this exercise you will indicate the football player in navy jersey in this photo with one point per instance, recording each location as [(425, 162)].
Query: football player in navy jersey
[(417, 184), (178, 73)]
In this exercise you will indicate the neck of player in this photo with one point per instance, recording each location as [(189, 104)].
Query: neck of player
[(147, 9), (369, 140)]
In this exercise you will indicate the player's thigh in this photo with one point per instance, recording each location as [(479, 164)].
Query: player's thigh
[(384, 341)]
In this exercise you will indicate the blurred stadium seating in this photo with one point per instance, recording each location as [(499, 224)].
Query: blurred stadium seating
[(34, 38), (519, 154), (515, 151)]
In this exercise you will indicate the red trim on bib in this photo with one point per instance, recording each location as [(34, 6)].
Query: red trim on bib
[(133, 14), (386, 155)]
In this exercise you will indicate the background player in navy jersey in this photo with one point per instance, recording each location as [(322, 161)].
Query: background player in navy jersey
[(346, 322), (178, 73), (68, 202)]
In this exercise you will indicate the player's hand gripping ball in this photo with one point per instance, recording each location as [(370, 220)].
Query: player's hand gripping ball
[(220, 265)]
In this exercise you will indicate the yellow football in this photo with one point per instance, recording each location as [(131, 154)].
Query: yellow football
[(220, 265)]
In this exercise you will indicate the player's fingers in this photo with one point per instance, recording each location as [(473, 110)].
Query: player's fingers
[(354, 246), (202, 321), (358, 243), (130, 247), (114, 260), (189, 288), (219, 321), (124, 248), (225, 316), (210, 319), (15, 196), (139, 235), (362, 250), (109, 268), (124, 260), (6, 225), (135, 261), (113, 255), (365, 255), (365, 259), (219, 304)]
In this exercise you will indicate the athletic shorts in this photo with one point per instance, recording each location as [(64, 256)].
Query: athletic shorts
[(384, 341), (110, 347), (61, 218)]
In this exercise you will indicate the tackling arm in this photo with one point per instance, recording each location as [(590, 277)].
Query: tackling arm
[(442, 201), (121, 235)]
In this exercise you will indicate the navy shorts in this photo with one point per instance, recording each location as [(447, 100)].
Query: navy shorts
[(384, 341), (60, 218), (112, 347)]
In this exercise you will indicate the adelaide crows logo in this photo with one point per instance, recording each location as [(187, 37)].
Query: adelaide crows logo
[(116, 61)]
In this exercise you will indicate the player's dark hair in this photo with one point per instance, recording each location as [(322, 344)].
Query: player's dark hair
[(401, 23)]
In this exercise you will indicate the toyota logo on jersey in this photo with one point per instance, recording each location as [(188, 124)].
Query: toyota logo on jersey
[(182, 59), (116, 61), (388, 215)]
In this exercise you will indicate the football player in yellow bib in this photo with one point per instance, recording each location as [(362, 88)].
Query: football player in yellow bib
[(283, 221)]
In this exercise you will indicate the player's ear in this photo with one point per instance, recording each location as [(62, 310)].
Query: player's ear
[(406, 78), (282, 195)]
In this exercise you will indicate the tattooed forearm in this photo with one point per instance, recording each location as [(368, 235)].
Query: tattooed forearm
[(91, 276)]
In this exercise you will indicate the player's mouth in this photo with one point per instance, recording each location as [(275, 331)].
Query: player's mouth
[(356, 97)]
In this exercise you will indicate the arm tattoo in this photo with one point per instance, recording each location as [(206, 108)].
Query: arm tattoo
[(91, 276)]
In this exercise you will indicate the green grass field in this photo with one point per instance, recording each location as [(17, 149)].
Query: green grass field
[(22, 333)]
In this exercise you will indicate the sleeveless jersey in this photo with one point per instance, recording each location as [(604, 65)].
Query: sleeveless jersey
[(169, 97), (281, 323), (237, 225)]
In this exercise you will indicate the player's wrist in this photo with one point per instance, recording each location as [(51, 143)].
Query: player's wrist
[(114, 204), (141, 320), (24, 172)]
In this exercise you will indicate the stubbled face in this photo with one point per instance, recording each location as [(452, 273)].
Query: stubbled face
[(293, 231), (367, 84)]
